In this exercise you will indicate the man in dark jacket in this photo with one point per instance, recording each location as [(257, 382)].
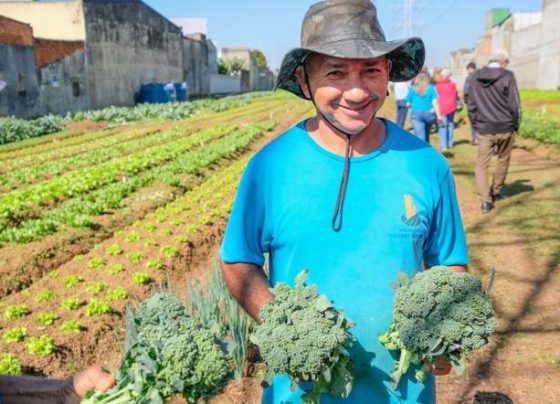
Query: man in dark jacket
[(495, 110), (471, 68)]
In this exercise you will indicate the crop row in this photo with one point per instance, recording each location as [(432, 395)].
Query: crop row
[(13, 130), (540, 126), (81, 295), (79, 212)]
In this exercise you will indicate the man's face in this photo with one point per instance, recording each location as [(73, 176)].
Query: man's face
[(349, 92)]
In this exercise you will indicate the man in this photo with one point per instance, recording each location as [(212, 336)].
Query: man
[(496, 115), (400, 90), (393, 210), (471, 68), (37, 390)]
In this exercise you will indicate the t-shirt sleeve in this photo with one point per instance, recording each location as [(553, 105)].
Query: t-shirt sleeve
[(244, 239), (433, 92), (409, 95), (446, 244)]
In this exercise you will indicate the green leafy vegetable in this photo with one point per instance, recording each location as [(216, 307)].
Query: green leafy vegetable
[(40, 346)]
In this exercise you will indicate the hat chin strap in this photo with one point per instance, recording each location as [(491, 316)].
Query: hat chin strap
[(336, 220)]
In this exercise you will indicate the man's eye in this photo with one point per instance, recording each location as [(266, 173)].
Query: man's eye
[(373, 70), (335, 73)]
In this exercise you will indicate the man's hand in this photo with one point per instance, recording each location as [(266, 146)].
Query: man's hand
[(440, 367), (93, 378)]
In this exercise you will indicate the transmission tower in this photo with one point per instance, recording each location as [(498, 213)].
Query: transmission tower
[(408, 23)]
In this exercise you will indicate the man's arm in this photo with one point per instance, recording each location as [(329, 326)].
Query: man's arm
[(514, 103), (249, 285)]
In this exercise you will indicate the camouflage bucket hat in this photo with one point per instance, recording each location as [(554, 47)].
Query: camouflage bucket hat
[(349, 29)]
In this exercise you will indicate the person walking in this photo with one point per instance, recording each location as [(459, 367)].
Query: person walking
[(496, 114), (447, 101), (422, 99), (346, 215), (471, 68), (400, 90)]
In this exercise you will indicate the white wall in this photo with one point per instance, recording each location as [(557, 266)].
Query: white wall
[(224, 84)]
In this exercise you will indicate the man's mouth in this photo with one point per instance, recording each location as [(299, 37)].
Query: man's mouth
[(356, 108)]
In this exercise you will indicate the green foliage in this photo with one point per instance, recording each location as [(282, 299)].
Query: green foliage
[(132, 237), (115, 269), (218, 311), (541, 126), (135, 257), (260, 57), (150, 242), (40, 346), (118, 293), (113, 250), (167, 352), (45, 295), (231, 66), (96, 263), (304, 336), (14, 130), (439, 314), (16, 334), (46, 318), (71, 280), (169, 251), (16, 311), (71, 303), (71, 326), (154, 263), (97, 308), (149, 227), (141, 278), (9, 364), (96, 287)]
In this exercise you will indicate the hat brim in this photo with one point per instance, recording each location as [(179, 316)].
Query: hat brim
[(407, 57)]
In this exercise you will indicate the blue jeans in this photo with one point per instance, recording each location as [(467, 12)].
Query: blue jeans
[(445, 131), (401, 113), (422, 122)]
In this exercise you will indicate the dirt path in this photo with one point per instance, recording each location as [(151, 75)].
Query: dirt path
[(520, 238)]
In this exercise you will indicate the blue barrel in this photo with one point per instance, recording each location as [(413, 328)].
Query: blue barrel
[(153, 93), (181, 91)]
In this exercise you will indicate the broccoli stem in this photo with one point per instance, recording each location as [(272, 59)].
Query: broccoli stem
[(404, 364), (123, 395)]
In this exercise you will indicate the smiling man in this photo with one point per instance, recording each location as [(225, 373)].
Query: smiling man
[(348, 195)]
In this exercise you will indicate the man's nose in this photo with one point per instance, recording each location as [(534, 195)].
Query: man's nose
[(356, 91)]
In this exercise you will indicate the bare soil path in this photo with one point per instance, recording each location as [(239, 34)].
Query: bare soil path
[(520, 239)]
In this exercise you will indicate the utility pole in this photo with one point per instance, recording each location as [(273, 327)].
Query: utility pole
[(408, 23)]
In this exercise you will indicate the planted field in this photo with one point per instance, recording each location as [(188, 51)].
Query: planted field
[(541, 116)]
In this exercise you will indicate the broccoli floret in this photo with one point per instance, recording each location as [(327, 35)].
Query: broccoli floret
[(169, 352), (438, 314), (304, 336)]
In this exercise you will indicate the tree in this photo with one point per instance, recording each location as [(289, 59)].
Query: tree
[(231, 66), (261, 58)]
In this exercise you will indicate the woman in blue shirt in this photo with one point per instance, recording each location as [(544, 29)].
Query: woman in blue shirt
[(424, 109)]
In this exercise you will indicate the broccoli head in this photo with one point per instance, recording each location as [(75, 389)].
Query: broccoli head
[(438, 314)]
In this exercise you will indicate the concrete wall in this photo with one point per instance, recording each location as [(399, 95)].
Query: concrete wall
[(457, 63), (549, 55), (224, 84), (62, 20), (212, 57), (128, 44), (195, 64), (525, 54), (17, 69), (247, 84), (64, 85)]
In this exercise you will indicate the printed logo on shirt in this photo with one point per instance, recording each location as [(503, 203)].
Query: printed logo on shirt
[(410, 216)]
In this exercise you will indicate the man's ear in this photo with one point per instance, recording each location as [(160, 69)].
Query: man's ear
[(300, 75)]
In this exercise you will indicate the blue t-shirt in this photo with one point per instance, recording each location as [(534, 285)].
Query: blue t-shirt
[(400, 211), (422, 102)]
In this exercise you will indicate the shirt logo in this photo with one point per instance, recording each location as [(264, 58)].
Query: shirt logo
[(410, 217)]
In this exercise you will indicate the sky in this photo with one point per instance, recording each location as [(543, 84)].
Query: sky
[(273, 26)]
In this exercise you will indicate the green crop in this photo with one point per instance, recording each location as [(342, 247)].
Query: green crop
[(439, 314), (167, 352), (132, 237), (45, 296), (16, 311), (141, 278), (71, 326), (154, 264), (96, 287), (72, 280), (305, 337), (149, 227), (135, 257), (40, 346), (169, 251), (46, 318), (16, 334), (118, 293), (9, 364), (97, 308), (115, 269), (96, 263), (71, 303), (150, 242), (113, 250)]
